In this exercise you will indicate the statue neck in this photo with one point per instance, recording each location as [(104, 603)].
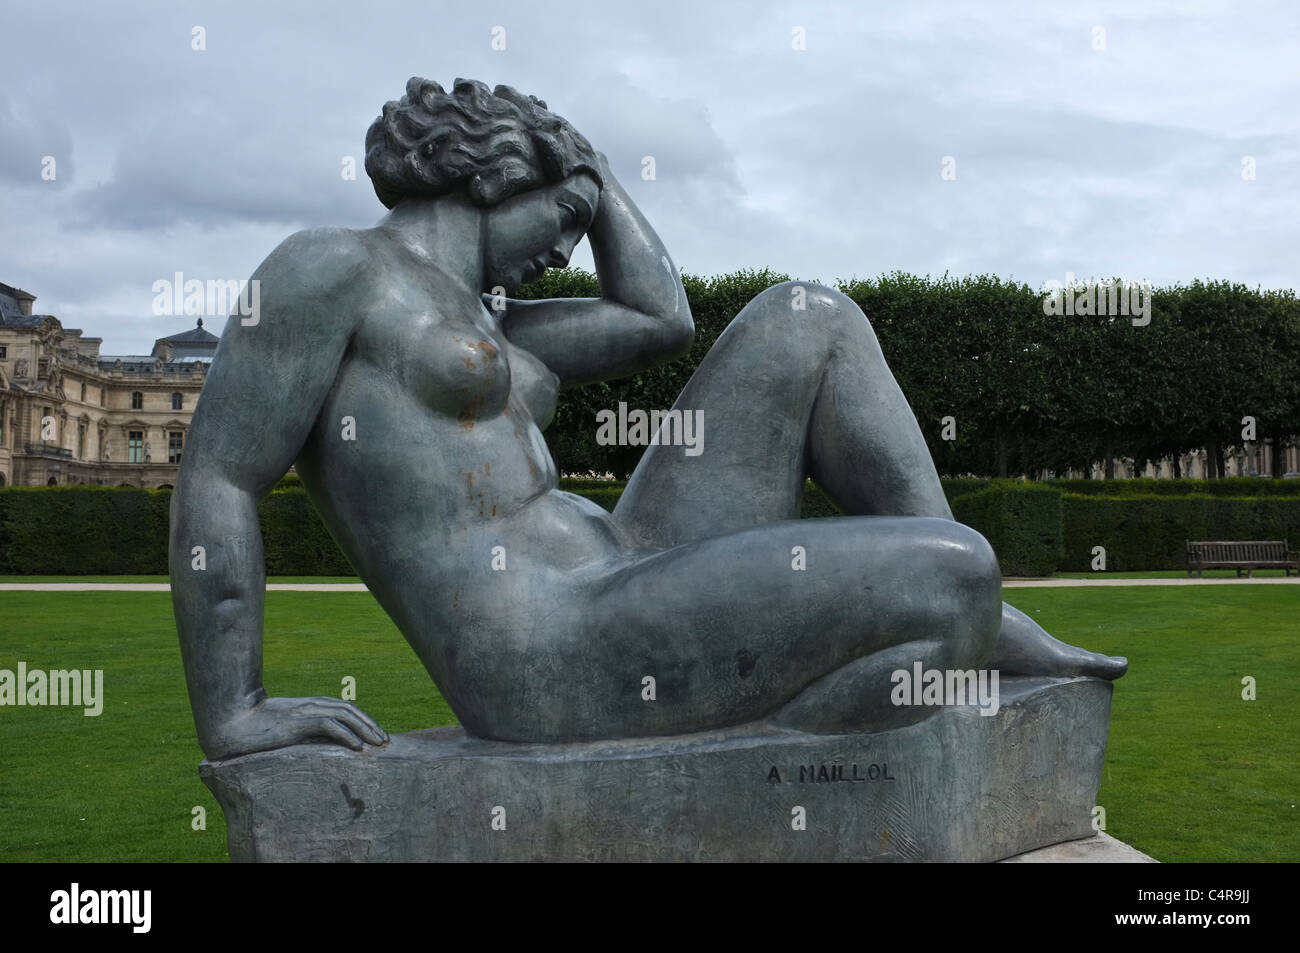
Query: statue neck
[(446, 232)]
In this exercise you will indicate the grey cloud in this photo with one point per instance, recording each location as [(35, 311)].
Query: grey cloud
[(32, 142), (821, 163)]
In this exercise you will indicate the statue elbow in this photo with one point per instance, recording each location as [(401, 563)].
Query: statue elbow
[(679, 335)]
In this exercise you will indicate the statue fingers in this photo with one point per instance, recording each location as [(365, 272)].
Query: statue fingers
[(352, 717)]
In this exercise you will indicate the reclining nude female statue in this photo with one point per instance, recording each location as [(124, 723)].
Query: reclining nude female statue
[(390, 365)]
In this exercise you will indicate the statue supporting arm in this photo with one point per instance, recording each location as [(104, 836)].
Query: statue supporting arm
[(246, 431)]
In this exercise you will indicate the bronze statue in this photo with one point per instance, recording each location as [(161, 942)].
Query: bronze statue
[(391, 366)]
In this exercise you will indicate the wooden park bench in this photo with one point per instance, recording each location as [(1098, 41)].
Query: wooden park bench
[(1247, 555)]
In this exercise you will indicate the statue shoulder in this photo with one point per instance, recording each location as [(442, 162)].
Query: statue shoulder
[(319, 262)]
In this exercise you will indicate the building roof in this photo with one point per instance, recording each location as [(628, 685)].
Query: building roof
[(176, 352), (195, 344), (138, 362), (12, 301), (11, 298), (195, 335), (19, 320)]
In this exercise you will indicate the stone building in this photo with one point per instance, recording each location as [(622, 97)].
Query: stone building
[(1253, 459), (70, 415)]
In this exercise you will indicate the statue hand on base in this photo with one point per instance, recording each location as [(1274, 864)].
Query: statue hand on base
[(280, 722)]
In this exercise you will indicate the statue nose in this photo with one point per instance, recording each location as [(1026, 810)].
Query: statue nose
[(557, 259)]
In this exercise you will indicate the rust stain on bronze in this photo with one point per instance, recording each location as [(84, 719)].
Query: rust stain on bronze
[(468, 416)]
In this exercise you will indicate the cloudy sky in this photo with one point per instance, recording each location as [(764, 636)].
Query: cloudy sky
[(1146, 140)]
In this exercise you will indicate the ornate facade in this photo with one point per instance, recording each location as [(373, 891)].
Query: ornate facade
[(70, 415), (1252, 459)]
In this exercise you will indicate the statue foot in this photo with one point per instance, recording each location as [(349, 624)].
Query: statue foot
[(1024, 648)]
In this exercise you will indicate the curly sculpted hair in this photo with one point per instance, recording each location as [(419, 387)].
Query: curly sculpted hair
[(490, 144)]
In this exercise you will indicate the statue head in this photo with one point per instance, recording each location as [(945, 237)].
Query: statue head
[(496, 149), (489, 144)]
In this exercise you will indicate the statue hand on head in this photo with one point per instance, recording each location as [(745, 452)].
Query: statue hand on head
[(603, 168)]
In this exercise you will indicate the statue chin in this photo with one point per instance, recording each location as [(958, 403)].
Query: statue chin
[(502, 286)]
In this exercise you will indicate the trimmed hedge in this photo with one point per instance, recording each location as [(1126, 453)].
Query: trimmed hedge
[(1142, 533), (295, 541), (89, 530), (606, 497), (93, 530), (1029, 392), (1021, 521), (1148, 486), (813, 505), (123, 530), (954, 487)]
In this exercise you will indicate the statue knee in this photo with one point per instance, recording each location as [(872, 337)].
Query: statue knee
[(805, 305)]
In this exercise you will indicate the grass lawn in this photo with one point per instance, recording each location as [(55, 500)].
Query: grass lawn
[(1193, 773), (1169, 574), (121, 786)]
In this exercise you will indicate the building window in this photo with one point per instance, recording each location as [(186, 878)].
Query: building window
[(177, 400), (175, 443), (103, 397), (135, 447), (81, 443), (137, 400), (3, 352), (83, 392)]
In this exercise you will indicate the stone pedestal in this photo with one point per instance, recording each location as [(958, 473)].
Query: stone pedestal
[(959, 786), (1100, 848)]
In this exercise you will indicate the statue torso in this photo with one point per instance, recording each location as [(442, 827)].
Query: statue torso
[(428, 451)]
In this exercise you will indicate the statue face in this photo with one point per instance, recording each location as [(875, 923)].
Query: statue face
[(536, 230)]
